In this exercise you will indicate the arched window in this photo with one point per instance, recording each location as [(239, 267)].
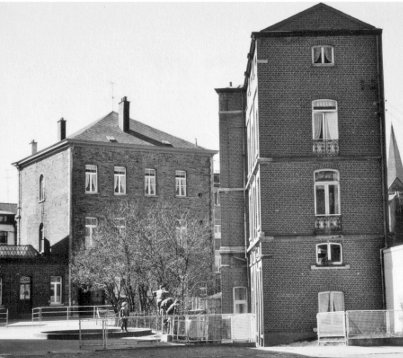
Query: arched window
[(41, 238), (327, 192), (41, 188)]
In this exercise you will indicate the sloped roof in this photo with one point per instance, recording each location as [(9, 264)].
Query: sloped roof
[(319, 17), (10, 207), (107, 128), (20, 251), (395, 167)]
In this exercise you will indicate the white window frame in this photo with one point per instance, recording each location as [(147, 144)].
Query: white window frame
[(91, 224), (239, 302), (56, 285), (180, 183), (322, 55), (150, 180), (217, 261), (217, 228), (329, 259), (91, 179), (327, 184), (41, 194), (119, 180), (325, 116)]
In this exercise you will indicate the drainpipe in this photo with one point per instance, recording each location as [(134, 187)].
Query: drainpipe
[(381, 116)]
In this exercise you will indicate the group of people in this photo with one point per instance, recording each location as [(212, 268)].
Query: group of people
[(166, 305)]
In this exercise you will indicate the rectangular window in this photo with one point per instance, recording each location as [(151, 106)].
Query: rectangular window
[(240, 301), (150, 182), (91, 180), (180, 183), (90, 227), (55, 290), (323, 55), (325, 120), (328, 254), (119, 180), (331, 301), (217, 230), (181, 235), (327, 196), (3, 237), (217, 198), (217, 261)]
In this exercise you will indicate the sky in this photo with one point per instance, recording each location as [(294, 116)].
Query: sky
[(77, 60)]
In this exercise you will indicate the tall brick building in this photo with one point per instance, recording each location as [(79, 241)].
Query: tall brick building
[(65, 188), (303, 183)]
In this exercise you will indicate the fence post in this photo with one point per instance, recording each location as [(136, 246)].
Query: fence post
[(347, 327), (7, 317), (388, 323), (79, 332), (67, 313)]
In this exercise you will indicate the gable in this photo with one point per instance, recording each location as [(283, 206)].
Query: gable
[(319, 17), (396, 185)]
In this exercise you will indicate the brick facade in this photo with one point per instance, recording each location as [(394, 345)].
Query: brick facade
[(111, 141), (279, 163)]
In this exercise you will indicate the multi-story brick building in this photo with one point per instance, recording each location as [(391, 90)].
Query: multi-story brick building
[(302, 169), (66, 187)]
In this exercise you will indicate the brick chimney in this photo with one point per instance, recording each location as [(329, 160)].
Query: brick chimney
[(124, 114), (34, 147), (61, 128)]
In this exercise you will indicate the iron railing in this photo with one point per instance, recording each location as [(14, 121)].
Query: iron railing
[(70, 312)]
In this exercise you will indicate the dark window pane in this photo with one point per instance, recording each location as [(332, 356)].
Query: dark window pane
[(320, 200)]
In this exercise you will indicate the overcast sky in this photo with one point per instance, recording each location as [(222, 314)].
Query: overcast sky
[(59, 60)]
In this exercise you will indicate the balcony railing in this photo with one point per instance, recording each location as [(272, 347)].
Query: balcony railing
[(329, 147), (327, 224)]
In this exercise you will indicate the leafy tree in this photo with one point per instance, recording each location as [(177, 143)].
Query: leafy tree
[(133, 251)]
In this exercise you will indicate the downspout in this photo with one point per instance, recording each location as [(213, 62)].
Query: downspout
[(19, 207), (71, 223), (381, 116)]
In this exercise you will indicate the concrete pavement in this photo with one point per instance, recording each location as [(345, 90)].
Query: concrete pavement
[(25, 339)]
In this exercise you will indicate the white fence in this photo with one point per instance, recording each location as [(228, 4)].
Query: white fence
[(223, 328), (347, 325), (212, 328), (70, 312), (3, 317)]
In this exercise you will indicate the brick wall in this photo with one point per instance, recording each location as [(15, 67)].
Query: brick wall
[(54, 211), (288, 204), (288, 83), (40, 271), (198, 173), (291, 286)]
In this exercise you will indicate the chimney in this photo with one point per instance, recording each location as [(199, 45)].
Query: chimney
[(124, 114), (61, 129), (34, 147)]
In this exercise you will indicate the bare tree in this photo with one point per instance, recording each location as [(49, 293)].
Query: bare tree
[(135, 250)]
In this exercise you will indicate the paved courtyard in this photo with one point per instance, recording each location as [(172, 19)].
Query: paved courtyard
[(24, 339)]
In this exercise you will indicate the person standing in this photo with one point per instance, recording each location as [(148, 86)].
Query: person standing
[(124, 316), (160, 295)]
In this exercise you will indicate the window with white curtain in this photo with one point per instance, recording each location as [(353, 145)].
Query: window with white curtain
[(323, 55), (91, 180), (90, 227), (119, 180), (327, 192), (150, 182), (325, 120), (331, 301), (180, 183)]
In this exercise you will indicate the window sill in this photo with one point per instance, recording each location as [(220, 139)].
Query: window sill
[(330, 267), (150, 195), (91, 192), (180, 196), (41, 201), (323, 64), (120, 194)]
